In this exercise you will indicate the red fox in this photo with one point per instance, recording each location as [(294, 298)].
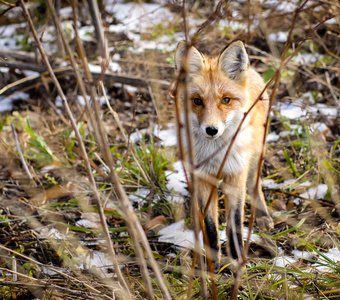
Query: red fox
[(221, 89)]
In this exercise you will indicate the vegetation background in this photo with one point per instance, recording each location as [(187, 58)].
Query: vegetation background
[(89, 177)]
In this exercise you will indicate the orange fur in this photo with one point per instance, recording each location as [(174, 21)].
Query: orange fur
[(221, 90)]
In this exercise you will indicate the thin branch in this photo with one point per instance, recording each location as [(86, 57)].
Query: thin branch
[(22, 157)]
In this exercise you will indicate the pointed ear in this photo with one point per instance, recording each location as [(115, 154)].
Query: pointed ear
[(195, 59), (234, 60)]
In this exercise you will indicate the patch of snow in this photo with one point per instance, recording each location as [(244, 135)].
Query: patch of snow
[(6, 105), (58, 101), (303, 254), (81, 100), (177, 234), (306, 58), (167, 136), (6, 102), (297, 201), (285, 6), (97, 69), (332, 21), (318, 127), (253, 237), (318, 192), (114, 67), (295, 110), (138, 17), (86, 33), (333, 254), (309, 97), (176, 179), (51, 233), (136, 136), (328, 111), (87, 223), (280, 36), (131, 89), (95, 259), (9, 39), (234, 25), (291, 111), (65, 12), (49, 272), (29, 73), (271, 184), (272, 137), (296, 128), (139, 196), (283, 261)]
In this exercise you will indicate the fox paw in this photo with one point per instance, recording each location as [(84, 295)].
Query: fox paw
[(265, 222)]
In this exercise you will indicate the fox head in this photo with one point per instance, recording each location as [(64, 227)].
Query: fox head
[(216, 87)]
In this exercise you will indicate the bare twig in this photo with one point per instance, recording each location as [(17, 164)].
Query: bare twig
[(22, 158)]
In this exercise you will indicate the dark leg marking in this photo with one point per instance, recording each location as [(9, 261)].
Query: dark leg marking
[(211, 231), (235, 238)]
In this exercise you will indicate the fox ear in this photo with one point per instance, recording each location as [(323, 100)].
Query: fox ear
[(195, 59), (234, 60)]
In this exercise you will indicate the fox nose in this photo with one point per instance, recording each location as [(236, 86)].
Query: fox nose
[(211, 131)]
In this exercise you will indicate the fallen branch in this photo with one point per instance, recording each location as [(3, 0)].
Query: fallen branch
[(30, 82)]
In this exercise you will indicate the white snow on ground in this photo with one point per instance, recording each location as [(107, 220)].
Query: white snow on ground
[(272, 137), (283, 261), (303, 254), (295, 110), (6, 102), (136, 18), (167, 136), (177, 182), (95, 259), (81, 100), (318, 192), (9, 38), (271, 184), (333, 254), (234, 25), (87, 223), (178, 234), (50, 233), (280, 36), (319, 127), (139, 196), (306, 58), (86, 33)]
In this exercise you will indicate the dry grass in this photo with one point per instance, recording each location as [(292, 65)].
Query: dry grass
[(60, 166)]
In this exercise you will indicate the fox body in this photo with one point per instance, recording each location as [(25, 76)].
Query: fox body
[(221, 90)]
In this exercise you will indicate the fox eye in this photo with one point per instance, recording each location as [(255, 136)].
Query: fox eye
[(225, 100), (198, 101)]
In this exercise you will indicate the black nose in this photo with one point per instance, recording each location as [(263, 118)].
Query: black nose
[(211, 131)]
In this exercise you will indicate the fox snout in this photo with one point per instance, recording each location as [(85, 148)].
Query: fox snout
[(212, 131)]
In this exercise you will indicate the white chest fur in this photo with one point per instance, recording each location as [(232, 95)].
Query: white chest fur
[(209, 153)]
